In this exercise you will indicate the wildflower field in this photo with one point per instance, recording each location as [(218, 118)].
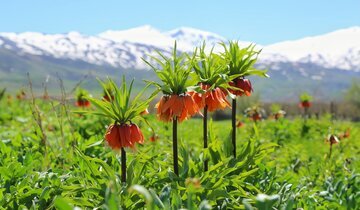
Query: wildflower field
[(282, 164), (108, 152)]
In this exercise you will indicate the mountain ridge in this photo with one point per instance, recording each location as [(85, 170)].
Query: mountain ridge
[(72, 55), (111, 45)]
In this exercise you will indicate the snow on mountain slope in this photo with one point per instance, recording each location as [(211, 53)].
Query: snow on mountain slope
[(194, 37), (339, 49), (187, 38), (115, 48), (141, 35), (74, 46)]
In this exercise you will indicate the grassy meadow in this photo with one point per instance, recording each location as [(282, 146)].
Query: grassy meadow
[(55, 158)]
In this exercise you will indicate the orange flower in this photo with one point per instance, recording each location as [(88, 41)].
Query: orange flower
[(256, 116), (21, 95), (345, 135), (180, 106), (82, 103), (305, 104), (332, 139), (154, 137), (279, 114), (243, 84), (123, 135), (214, 99), (145, 112), (240, 124)]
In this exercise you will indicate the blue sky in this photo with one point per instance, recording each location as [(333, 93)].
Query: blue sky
[(263, 21)]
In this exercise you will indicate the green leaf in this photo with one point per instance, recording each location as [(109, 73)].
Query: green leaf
[(144, 192), (62, 204)]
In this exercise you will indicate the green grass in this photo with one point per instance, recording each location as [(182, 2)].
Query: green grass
[(286, 160)]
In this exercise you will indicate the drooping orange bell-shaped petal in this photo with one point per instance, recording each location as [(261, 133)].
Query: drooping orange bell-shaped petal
[(305, 104), (179, 106), (112, 137), (183, 116), (216, 100), (123, 135), (243, 84), (199, 99), (160, 104), (169, 103), (191, 105), (136, 134), (128, 136), (123, 141), (82, 103)]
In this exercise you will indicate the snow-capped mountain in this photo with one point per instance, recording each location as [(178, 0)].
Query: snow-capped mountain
[(145, 35), (194, 37), (314, 64), (74, 46), (339, 49), (114, 48)]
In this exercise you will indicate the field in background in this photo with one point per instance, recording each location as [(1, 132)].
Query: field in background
[(54, 157)]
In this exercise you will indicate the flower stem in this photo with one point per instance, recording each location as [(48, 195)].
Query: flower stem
[(206, 163), (306, 113), (233, 122), (330, 150), (175, 147), (123, 165)]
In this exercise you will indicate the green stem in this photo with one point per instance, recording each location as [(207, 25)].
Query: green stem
[(175, 147), (189, 201), (306, 113), (206, 162), (233, 122), (330, 152), (123, 165)]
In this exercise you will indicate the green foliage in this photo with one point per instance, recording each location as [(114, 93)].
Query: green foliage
[(81, 94), (353, 93), (174, 72), (107, 88), (305, 97), (276, 167), (210, 68), (2, 93), (275, 108), (121, 109), (241, 61)]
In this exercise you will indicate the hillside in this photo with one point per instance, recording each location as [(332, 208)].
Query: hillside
[(323, 65)]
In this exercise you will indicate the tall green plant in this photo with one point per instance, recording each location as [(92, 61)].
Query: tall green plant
[(211, 76), (175, 104), (240, 61), (123, 111)]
